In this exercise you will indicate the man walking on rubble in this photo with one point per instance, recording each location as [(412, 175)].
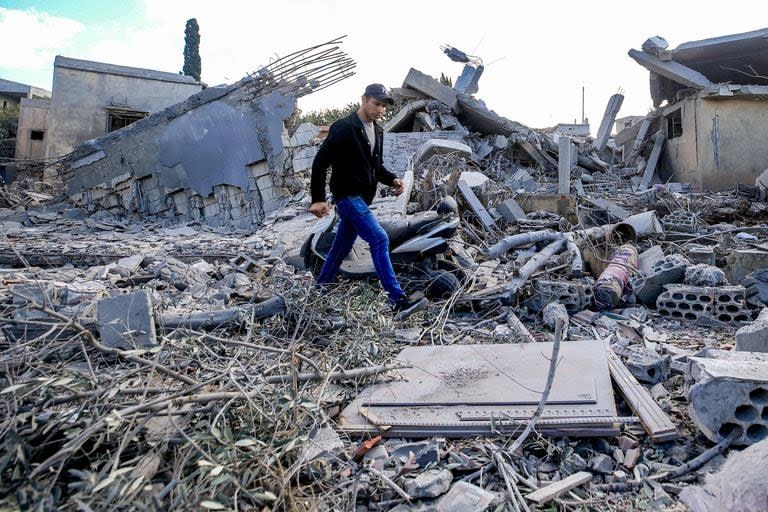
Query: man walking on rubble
[(353, 148)]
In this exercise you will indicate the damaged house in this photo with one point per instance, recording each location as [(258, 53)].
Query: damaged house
[(712, 110), (216, 157)]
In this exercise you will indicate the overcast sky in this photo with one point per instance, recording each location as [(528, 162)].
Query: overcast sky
[(538, 54)]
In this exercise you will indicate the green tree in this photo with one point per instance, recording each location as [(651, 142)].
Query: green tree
[(9, 122), (192, 64), (329, 115)]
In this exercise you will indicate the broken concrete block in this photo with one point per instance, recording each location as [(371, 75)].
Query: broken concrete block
[(126, 321), (574, 295), (429, 484), (701, 254), (736, 487), (754, 337), (431, 87), (726, 303), (476, 180), (669, 270), (681, 221), (554, 313), (501, 142), (511, 211), (704, 275), (322, 442), (464, 496), (647, 366), (728, 395), (647, 258)]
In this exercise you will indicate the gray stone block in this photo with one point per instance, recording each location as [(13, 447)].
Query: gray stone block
[(126, 321), (754, 337)]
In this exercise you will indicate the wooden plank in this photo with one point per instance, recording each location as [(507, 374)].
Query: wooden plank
[(655, 421), (560, 487)]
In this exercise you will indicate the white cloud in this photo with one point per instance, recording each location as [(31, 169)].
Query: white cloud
[(31, 39)]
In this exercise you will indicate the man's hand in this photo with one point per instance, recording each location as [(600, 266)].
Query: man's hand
[(319, 209), (399, 186)]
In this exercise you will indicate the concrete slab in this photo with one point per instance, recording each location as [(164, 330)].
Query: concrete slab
[(126, 321), (440, 147), (423, 83)]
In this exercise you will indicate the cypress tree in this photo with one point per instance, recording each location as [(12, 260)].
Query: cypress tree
[(192, 64)]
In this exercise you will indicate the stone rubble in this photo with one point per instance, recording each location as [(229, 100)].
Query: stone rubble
[(161, 285)]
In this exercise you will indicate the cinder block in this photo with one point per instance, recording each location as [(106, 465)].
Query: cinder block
[(681, 221), (729, 395), (726, 303), (574, 295), (126, 322), (669, 270)]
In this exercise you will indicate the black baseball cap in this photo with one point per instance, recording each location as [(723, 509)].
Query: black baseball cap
[(379, 92)]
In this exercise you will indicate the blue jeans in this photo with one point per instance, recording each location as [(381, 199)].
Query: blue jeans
[(355, 218)]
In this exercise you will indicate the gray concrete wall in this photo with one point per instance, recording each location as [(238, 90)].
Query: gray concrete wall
[(723, 143), (217, 157), (33, 116), (80, 99)]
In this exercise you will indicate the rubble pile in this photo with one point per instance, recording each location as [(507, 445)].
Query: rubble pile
[(603, 349)]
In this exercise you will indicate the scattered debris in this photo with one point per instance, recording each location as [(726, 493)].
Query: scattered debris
[(194, 364)]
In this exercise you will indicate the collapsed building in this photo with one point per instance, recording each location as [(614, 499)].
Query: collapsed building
[(216, 157)]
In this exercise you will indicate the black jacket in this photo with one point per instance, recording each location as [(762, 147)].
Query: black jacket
[(355, 171)]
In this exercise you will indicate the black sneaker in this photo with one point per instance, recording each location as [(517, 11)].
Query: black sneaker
[(405, 307)]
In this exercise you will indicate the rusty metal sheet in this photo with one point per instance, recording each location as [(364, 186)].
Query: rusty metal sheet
[(499, 374)]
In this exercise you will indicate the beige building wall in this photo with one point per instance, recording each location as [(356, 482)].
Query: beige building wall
[(723, 143), (33, 122), (81, 98)]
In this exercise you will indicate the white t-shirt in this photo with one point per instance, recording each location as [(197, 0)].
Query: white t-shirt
[(370, 132)]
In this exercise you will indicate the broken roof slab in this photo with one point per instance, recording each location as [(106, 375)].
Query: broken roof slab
[(728, 58)]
